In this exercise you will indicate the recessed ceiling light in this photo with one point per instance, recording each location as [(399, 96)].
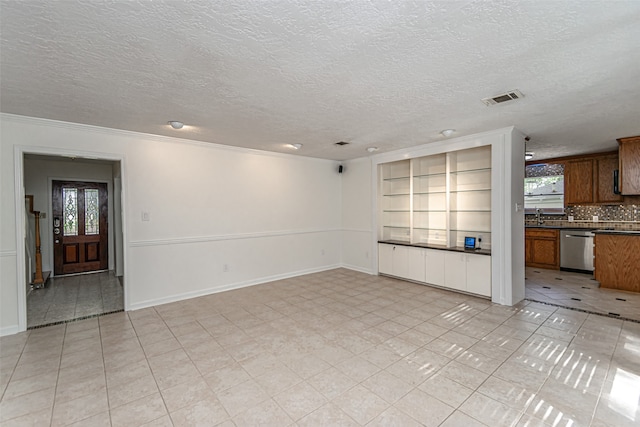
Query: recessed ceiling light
[(447, 132), (528, 155), (295, 146), (176, 124), (372, 149)]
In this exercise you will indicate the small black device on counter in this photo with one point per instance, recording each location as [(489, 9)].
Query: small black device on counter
[(470, 243)]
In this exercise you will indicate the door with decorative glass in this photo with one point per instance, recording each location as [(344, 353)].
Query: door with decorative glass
[(80, 228)]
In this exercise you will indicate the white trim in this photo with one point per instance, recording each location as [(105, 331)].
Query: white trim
[(229, 287), (8, 253), (225, 237), (149, 137), (21, 280), (356, 230), (10, 330), (359, 269), (19, 152)]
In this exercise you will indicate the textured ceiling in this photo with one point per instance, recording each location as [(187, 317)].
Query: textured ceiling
[(261, 74)]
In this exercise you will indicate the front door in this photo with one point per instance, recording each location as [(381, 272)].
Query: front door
[(79, 227)]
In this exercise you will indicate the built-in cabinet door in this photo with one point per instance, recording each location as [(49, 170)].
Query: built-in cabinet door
[(401, 261), (578, 182), (606, 166), (455, 270), (434, 273), (385, 259), (416, 267), (630, 165), (479, 274)]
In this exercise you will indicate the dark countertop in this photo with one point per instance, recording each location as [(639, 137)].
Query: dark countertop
[(560, 227), (439, 247), (592, 229), (618, 232)]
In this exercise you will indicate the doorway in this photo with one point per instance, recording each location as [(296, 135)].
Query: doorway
[(82, 237)]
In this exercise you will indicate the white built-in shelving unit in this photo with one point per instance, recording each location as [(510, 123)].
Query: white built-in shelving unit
[(438, 199)]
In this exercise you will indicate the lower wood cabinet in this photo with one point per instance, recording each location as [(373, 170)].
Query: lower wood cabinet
[(542, 248), (454, 270), (617, 261)]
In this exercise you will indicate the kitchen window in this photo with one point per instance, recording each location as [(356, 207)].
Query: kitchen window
[(544, 189)]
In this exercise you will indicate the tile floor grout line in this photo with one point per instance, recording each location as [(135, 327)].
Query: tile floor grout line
[(582, 310)]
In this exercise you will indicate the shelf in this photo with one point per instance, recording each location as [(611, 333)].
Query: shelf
[(396, 178), (415, 193), (396, 210), (430, 210), (395, 226), (394, 195), (469, 210), (470, 191), (470, 170), (429, 228), (430, 175)]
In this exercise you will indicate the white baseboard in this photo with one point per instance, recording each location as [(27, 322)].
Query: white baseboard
[(9, 330), (359, 269)]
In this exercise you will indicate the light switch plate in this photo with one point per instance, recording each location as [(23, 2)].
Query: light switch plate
[(570, 218), (146, 216), (595, 218)]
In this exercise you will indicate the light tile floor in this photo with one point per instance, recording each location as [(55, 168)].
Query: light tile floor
[(74, 297), (337, 348), (580, 291)]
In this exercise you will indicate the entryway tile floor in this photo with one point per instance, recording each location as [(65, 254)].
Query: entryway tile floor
[(336, 348), (73, 297), (580, 291)]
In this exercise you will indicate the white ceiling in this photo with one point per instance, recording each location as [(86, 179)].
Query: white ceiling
[(390, 74)]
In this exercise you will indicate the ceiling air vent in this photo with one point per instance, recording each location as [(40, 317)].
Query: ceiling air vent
[(504, 97), (342, 143)]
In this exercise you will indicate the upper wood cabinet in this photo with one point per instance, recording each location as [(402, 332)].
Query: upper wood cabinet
[(629, 165), (604, 181), (578, 182)]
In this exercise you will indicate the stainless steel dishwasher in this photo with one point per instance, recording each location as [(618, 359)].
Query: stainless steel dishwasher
[(576, 250)]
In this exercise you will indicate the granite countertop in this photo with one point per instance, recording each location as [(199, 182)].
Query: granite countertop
[(439, 247), (618, 232), (603, 230)]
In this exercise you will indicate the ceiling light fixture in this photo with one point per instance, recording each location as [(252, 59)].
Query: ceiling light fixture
[(528, 155), (176, 124), (295, 146), (447, 132), (372, 149)]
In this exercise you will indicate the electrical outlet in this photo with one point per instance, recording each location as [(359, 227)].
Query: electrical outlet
[(146, 216), (225, 268), (595, 218), (570, 218)]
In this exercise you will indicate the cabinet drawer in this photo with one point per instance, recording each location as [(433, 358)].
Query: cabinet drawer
[(541, 233)]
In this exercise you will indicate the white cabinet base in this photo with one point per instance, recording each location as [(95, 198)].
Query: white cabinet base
[(458, 271)]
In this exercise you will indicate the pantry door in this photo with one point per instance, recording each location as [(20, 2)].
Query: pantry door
[(80, 229)]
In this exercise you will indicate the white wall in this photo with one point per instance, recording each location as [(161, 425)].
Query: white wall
[(357, 216), (38, 174), (264, 215)]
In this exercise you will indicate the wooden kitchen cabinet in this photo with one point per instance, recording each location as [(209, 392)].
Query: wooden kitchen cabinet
[(542, 248), (604, 180), (578, 182), (629, 151), (617, 258)]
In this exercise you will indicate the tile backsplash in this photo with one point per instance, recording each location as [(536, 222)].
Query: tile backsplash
[(616, 216)]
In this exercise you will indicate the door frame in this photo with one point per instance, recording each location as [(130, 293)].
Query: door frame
[(19, 192), (111, 236)]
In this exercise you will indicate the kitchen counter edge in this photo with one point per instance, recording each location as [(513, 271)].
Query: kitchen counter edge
[(437, 247)]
